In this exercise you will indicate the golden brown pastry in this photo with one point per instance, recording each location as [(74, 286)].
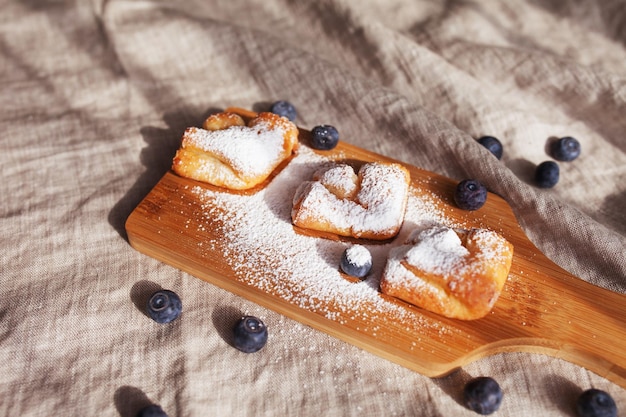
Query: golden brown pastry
[(368, 205), (228, 153), (455, 273)]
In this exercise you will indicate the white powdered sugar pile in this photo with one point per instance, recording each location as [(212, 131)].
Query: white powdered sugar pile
[(249, 150), (340, 180), (358, 255), (435, 261), (260, 245), (377, 206), (437, 250)]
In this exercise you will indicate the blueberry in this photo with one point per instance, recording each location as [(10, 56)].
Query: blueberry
[(356, 261), (595, 403), (482, 395), (324, 137), (285, 109), (164, 306), (547, 174), (470, 194), (152, 411), (250, 334), (565, 149), (492, 144)]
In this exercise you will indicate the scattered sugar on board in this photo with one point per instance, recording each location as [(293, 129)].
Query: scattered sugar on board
[(260, 245)]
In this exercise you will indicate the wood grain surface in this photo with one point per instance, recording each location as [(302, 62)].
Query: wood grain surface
[(542, 308)]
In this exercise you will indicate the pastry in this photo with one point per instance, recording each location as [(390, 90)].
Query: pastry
[(455, 273), (367, 205), (228, 153)]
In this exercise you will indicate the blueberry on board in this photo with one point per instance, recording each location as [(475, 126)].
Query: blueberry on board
[(152, 410), (356, 261), (492, 144), (164, 306), (250, 334), (470, 194), (482, 395), (324, 137), (547, 174), (285, 109), (565, 149), (595, 403)]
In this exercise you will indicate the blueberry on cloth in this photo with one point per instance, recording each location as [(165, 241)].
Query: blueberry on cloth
[(470, 194), (565, 149), (152, 411), (324, 137), (595, 403), (356, 261), (250, 334), (164, 306), (482, 395), (547, 174), (492, 144), (285, 109)]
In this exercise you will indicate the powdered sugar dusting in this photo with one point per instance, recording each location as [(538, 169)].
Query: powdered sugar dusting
[(358, 255), (437, 250), (491, 246), (382, 190), (340, 180), (438, 263), (259, 244), (374, 206), (248, 150)]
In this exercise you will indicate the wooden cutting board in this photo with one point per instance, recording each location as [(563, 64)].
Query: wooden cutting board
[(544, 309)]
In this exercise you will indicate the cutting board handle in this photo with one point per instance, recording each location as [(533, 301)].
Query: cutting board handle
[(563, 316)]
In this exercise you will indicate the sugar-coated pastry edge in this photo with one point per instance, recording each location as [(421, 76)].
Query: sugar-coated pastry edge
[(228, 153), (459, 279), (374, 209)]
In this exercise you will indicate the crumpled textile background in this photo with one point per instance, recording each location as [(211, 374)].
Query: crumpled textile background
[(95, 96)]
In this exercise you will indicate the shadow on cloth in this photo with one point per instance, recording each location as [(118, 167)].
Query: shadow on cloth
[(130, 400), (612, 204), (156, 157), (141, 292), (224, 319), (523, 169), (565, 393), (453, 384)]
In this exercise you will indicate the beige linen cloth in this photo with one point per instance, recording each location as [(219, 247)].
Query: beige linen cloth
[(94, 99)]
